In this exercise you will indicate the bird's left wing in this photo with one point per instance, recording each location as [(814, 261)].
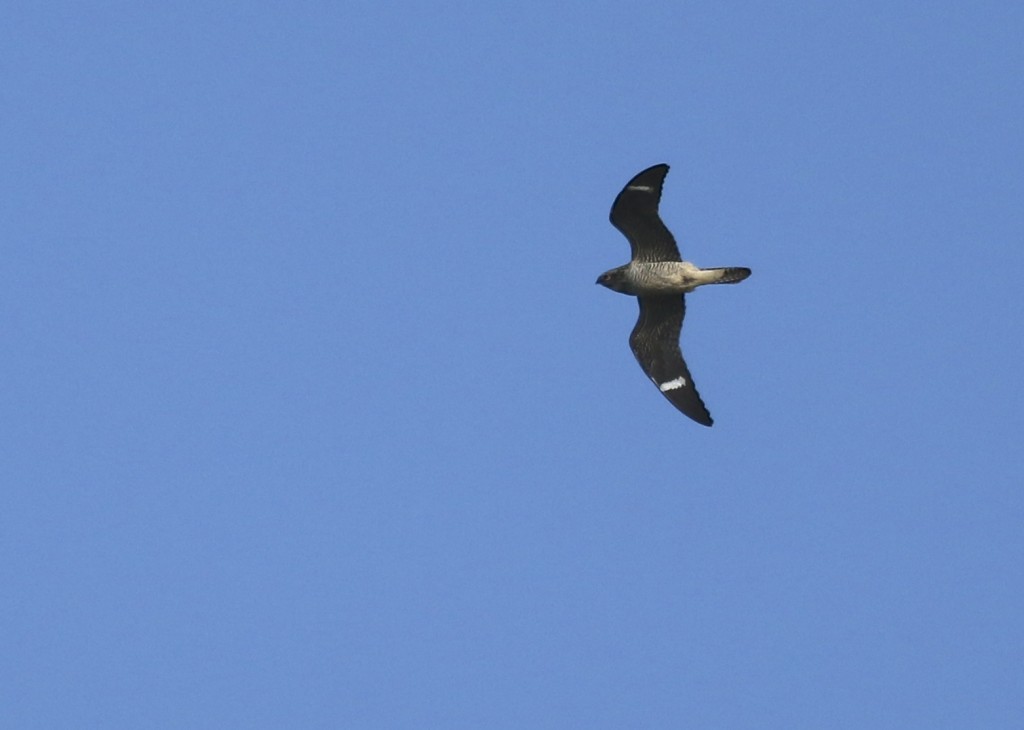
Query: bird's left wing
[(635, 214), (655, 343)]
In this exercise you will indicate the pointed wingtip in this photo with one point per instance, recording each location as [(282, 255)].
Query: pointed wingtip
[(703, 418)]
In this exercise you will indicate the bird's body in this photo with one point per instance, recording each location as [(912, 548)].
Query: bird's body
[(659, 278), (656, 278)]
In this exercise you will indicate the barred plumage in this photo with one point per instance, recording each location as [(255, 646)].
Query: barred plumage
[(658, 277)]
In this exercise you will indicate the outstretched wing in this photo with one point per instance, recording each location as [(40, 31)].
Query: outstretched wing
[(655, 343), (635, 214)]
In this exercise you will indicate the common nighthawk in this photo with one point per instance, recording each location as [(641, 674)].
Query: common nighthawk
[(659, 279)]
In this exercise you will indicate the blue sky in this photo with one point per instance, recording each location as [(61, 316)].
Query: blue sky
[(313, 416)]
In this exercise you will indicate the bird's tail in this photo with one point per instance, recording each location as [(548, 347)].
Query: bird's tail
[(726, 275)]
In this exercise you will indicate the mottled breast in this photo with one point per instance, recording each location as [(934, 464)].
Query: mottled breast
[(663, 277)]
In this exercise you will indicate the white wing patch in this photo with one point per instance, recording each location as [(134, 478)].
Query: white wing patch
[(645, 188), (672, 384)]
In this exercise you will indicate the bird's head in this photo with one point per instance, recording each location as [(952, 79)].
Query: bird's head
[(615, 279)]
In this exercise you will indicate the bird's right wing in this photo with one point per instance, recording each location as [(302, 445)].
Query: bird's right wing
[(635, 214), (655, 343)]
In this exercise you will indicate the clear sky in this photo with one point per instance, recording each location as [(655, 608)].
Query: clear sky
[(313, 417)]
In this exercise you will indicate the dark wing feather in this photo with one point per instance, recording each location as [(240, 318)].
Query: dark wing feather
[(655, 343), (635, 214)]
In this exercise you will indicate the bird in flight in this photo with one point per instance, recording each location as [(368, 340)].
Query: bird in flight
[(658, 277)]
